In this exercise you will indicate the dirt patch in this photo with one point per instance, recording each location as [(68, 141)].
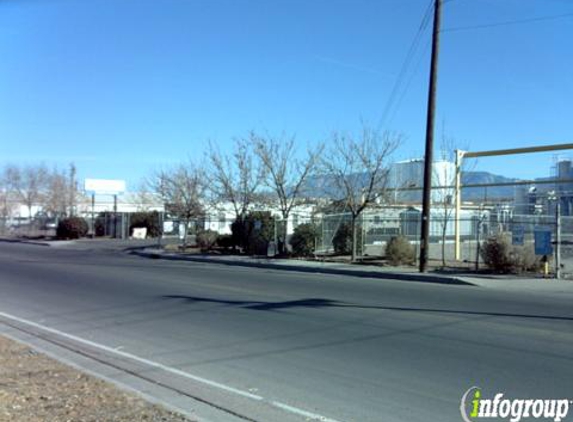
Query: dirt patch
[(36, 388)]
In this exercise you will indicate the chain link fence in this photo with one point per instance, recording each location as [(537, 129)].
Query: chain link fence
[(375, 229)]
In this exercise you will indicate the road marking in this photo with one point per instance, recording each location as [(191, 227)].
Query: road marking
[(277, 404), (304, 413)]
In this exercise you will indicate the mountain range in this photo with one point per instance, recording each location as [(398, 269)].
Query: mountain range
[(324, 186)]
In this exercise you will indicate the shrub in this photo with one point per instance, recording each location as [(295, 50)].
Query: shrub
[(103, 223), (342, 240), (239, 233), (149, 220), (99, 226), (225, 241), (206, 239), (72, 228), (399, 251), (254, 232), (302, 240), (501, 256)]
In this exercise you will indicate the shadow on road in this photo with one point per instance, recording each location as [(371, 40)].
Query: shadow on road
[(328, 303)]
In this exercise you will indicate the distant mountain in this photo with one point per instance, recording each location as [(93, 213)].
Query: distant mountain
[(482, 178), (324, 186)]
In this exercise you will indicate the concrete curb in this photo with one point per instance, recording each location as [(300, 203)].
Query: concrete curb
[(24, 241), (427, 278)]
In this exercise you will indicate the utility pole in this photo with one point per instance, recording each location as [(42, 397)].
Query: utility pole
[(429, 154)]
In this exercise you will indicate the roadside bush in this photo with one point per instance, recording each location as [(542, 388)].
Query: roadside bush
[(103, 223), (399, 251), (239, 233), (254, 232), (225, 241), (342, 240), (148, 220), (501, 256), (72, 228), (302, 240), (206, 239)]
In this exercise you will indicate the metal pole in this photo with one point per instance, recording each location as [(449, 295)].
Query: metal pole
[(115, 216), (428, 158), (458, 199), (93, 215), (478, 240), (558, 238)]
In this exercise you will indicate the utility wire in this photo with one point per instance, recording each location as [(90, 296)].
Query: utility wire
[(407, 88), (405, 65), (506, 23)]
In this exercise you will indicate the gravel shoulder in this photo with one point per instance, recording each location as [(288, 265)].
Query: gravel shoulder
[(36, 388)]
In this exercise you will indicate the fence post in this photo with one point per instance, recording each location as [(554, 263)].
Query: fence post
[(363, 237), (458, 199), (93, 215), (478, 237), (558, 239)]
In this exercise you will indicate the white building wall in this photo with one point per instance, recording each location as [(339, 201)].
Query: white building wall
[(22, 211), (219, 218), (410, 174)]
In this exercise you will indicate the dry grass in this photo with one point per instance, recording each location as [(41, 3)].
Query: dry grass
[(35, 388)]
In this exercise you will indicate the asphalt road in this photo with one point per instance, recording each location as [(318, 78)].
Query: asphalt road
[(350, 349)]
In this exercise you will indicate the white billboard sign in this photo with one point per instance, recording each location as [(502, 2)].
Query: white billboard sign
[(104, 186)]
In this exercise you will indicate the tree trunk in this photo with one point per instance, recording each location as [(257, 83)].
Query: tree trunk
[(283, 244), (444, 230), (354, 238), (186, 230)]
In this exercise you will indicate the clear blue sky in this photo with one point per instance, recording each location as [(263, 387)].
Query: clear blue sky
[(123, 86)]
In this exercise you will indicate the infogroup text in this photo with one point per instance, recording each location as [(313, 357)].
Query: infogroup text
[(474, 407)]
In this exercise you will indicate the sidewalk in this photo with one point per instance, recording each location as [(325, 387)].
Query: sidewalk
[(371, 271), (84, 243), (503, 282), (147, 248)]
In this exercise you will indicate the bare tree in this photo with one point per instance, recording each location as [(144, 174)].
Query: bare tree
[(55, 201), (359, 168), (444, 174), (142, 197), (72, 190), (28, 183), (6, 203), (183, 189), (6, 210), (236, 176), (285, 173)]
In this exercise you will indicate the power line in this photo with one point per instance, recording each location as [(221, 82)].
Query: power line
[(407, 88), (406, 64), (506, 23)]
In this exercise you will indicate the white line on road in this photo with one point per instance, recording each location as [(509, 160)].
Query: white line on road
[(277, 404)]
